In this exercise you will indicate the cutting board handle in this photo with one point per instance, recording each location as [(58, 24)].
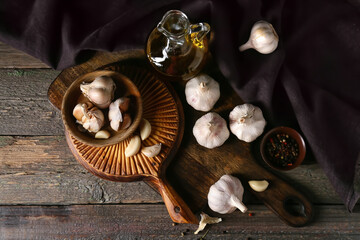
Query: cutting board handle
[(177, 208), (285, 201)]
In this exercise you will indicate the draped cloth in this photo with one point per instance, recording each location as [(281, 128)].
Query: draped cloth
[(311, 82)]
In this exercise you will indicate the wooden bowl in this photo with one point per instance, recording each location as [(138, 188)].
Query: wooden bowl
[(124, 87), (290, 137)]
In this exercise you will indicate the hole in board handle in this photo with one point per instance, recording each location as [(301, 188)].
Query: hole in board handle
[(294, 207), (177, 209)]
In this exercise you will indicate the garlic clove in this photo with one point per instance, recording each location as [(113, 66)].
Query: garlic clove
[(211, 130), (100, 91), (93, 119), (78, 111), (145, 129), (151, 151), (226, 195), (124, 104), (202, 92), (206, 219), (246, 122), (258, 186), (263, 38), (115, 115), (133, 147), (126, 121), (102, 134)]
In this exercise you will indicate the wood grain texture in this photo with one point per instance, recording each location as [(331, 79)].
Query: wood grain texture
[(17, 117), (241, 165), (42, 170), (44, 164), (13, 58), (24, 107), (130, 222)]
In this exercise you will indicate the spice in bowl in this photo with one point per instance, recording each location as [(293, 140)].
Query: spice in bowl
[(283, 148)]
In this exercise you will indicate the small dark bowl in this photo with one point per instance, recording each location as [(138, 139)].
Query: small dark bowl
[(124, 87), (292, 134)]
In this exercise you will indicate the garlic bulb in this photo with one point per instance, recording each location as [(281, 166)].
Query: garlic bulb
[(263, 38), (116, 111), (211, 130), (226, 195), (202, 92), (206, 219), (247, 122), (100, 91), (91, 118)]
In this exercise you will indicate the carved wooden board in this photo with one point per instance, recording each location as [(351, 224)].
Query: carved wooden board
[(194, 168)]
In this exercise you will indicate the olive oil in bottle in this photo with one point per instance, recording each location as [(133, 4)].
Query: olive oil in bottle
[(177, 48)]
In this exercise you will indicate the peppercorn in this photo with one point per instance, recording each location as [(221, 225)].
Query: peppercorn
[(282, 150)]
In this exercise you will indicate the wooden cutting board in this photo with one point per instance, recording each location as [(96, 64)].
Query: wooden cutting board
[(193, 169)]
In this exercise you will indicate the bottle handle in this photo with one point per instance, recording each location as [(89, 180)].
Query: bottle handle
[(199, 30)]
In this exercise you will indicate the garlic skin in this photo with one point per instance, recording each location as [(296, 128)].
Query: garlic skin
[(263, 38), (151, 151), (226, 195), (202, 92), (100, 91), (91, 118), (247, 122), (115, 114), (211, 130), (206, 219)]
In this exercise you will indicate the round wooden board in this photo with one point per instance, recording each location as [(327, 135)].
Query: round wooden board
[(164, 114)]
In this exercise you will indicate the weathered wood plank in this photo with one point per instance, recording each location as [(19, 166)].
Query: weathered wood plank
[(44, 164), (151, 221), (13, 58), (24, 107), (42, 170)]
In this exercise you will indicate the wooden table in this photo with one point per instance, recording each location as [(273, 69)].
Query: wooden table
[(46, 194)]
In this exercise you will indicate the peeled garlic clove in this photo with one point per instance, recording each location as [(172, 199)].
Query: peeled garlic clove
[(133, 147), (102, 134), (263, 38), (211, 130), (100, 91), (226, 195), (247, 122), (151, 151), (202, 92), (259, 186), (206, 219), (93, 119), (145, 129), (78, 111)]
